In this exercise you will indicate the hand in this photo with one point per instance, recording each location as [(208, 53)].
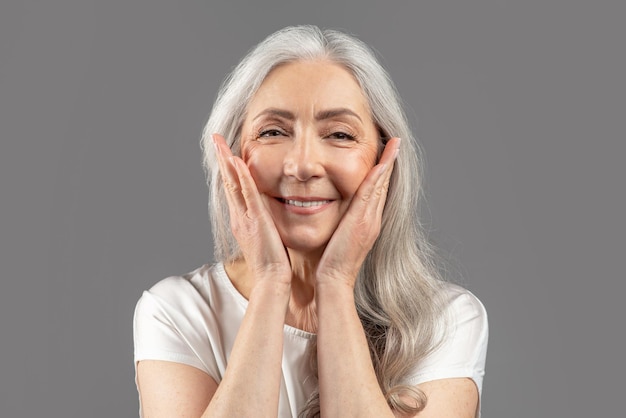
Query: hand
[(360, 225), (250, 221)]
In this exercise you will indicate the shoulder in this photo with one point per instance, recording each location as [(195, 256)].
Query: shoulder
[(181, 292), (465, 324), (177, 286), (175, 320), (464, 335), (463, 309), (179, 302)]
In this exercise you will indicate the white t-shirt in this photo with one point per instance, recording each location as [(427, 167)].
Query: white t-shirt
[(193, 319)]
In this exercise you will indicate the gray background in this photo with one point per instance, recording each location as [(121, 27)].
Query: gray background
[(520, 107)]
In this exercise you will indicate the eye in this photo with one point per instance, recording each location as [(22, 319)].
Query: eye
[(343, 136), (267, 133)]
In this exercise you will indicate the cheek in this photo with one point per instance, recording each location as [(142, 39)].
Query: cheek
[(369, 156), (351, 170), (264, 165), (365, 159)]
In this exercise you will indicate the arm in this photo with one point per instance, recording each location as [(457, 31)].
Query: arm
[(346, 375), (251, 383), (348, 383), (450, 398)]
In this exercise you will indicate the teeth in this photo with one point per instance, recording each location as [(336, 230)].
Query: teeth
[(306, 204)]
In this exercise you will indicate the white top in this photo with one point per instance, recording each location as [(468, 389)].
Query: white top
[(193, 319)]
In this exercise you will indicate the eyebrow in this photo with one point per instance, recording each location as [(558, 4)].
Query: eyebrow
[(321, 115), (272, 111), (332, 113)]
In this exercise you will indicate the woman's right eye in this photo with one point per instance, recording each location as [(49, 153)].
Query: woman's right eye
[(270, 133)]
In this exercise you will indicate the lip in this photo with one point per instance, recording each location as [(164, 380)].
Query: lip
[(301, 205)]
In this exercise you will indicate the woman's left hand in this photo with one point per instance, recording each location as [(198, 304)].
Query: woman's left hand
[(360, 225)]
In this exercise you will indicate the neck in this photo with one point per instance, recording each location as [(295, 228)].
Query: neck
[(301, 312), (303, 268)]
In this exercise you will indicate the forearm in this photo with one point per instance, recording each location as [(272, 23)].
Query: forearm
[(251, 384), (347, 381)]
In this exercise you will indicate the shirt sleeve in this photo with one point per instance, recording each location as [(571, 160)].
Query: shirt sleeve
[(169, 326), (463, 350)]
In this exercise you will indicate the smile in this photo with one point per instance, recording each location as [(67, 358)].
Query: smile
[(304, 204)]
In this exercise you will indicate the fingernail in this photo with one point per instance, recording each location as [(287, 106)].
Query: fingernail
[(234, 162)]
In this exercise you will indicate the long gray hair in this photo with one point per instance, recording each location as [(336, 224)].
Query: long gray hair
[(396, 291)]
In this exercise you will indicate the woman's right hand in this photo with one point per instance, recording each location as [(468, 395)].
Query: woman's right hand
[(251, 223)]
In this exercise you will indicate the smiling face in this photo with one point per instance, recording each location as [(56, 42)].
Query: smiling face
[(309, 141)]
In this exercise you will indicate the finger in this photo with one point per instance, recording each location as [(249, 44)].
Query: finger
[(249, 190), (370, 199), (220, 142), (230, 178), (244, 192), (390, 152), (383, 182), (384, 166), (223, 154), (375, 184)]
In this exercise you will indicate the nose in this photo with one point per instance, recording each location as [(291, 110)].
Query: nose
[(304, 158)]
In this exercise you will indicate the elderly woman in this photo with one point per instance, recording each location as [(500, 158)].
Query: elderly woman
[(326, 301)]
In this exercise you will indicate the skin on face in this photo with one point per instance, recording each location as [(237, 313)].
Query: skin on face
[(309, 141)]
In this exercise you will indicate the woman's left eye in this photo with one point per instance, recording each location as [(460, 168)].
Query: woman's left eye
[(341, 136)]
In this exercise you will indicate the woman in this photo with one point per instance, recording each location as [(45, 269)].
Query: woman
[(327, 301)]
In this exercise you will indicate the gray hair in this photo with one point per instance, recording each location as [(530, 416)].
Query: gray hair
[(396, 292)]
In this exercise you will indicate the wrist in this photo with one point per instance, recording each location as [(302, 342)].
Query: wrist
[(269, 287), (269, 300), (336, 280), (336, 290)]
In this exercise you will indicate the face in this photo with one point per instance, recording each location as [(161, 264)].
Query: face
[(309, 141)]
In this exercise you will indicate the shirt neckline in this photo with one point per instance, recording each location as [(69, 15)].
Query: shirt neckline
[(220, 273)]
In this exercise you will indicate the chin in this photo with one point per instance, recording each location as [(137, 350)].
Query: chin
[(305, 246)]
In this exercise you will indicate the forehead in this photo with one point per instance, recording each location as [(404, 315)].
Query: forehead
[(310, 85)]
